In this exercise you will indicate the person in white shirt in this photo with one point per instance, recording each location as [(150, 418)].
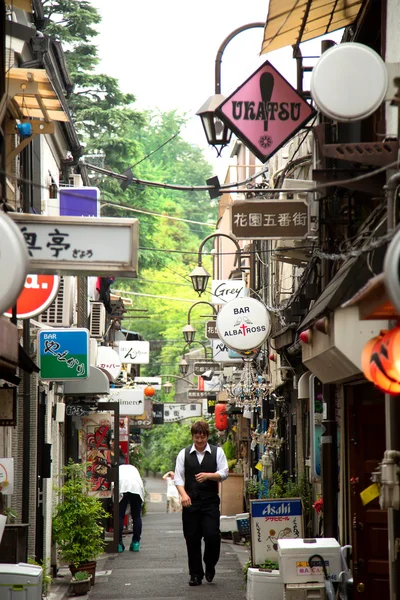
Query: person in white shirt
[(199, 468), (173, 497), (131, 492)]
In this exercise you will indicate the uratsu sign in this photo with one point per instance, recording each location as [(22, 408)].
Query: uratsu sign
[(243, 324)]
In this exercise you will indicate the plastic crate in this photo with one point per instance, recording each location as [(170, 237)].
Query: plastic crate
[(243, 523)]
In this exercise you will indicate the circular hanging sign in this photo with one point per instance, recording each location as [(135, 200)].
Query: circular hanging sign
[(14, 261), (349, 82), (243, 324), (38, 293), (108, 360)]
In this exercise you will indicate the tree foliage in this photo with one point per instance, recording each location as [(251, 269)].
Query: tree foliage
[(151, 145)]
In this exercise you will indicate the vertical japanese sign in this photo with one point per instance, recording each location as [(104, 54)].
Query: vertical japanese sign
[(96, 451), (270, 521)]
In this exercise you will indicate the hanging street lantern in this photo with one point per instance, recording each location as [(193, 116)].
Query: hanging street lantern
[(217, 133), (189, 333), (199, 277), (149, 391)]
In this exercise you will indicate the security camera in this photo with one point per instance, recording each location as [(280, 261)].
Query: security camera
[(208, 375)]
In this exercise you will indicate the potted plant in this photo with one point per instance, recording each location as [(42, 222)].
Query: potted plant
[(77, 518), (80, 583)]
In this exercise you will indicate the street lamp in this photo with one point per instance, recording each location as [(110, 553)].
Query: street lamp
[(217, 133), (199, 275), (167, 386), (189, 331)]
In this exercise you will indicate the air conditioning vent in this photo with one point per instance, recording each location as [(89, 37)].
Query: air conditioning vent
[(75, 180), (97, 320), (60, 312)]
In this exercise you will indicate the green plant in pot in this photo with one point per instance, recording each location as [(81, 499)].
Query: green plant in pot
[(80, 583), (77, 528)]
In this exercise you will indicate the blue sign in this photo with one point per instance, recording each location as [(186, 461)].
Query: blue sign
[(79, 202), (276, 508), (63, 354)]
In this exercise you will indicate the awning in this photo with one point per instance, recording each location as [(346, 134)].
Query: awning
[(290, 22), (373, 301), (33, 95), (348, 280), (22, 4)]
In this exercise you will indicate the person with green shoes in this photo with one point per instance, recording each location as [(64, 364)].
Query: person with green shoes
[(131, 493)]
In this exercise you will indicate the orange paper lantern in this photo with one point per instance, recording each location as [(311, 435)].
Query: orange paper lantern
[(381, 361), (149, 391), (221, 417)]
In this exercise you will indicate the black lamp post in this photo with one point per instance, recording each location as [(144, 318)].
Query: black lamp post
[(183, 366), (217, 133), (189, 331), (199, 275)]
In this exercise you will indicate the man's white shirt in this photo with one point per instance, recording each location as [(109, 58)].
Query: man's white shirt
[(222, 463)]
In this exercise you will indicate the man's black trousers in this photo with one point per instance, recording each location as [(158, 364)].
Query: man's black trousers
[(201, 520)]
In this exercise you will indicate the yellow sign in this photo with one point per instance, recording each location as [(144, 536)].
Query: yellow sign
[(370, 493), (258, 466)]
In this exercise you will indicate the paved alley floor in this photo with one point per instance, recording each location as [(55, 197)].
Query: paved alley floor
[(159, 571)]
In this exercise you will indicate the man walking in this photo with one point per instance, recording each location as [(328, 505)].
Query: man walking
[(199, 468)]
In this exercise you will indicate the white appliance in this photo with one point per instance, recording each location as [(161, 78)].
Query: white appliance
[(262, 585), (293, 555)]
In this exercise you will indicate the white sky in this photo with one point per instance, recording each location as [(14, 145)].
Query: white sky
[(163, 51)]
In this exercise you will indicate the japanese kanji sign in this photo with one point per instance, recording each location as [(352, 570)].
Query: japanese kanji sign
[(80, 245), (63, 354), (269, 219), (178, 412), (265, 112)]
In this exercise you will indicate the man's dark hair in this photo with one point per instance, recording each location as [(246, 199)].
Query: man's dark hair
[(200, 427)]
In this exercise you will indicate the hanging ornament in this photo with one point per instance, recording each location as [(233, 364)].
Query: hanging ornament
[(149, 391)]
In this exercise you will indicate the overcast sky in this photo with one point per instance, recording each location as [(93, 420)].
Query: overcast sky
[(164, 52)]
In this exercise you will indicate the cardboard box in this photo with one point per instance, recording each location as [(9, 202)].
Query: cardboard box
[(293, 555)]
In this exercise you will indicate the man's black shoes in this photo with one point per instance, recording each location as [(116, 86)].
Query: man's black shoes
[(194, 580), (210, 574)]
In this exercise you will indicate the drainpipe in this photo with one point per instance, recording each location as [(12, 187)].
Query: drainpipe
[(26, 379), (392, 420), (329, 463)]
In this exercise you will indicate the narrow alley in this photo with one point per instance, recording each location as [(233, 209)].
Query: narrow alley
[(160, 569)]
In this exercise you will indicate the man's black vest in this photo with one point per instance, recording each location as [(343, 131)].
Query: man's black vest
[(207, 490)]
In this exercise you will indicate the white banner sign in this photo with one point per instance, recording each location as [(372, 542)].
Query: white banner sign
[(80, 245), (221, 353), (134, 353), (223, 291), (131, 400), (178, 412), (142, 382), (108, 360)]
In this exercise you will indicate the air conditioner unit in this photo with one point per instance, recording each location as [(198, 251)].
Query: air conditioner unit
[(75, 180), (97, 320), (60, 312), (92, 351)]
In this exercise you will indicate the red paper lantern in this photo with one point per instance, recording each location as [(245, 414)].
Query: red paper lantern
[(381, 361), (221, 417), (149, 391)]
